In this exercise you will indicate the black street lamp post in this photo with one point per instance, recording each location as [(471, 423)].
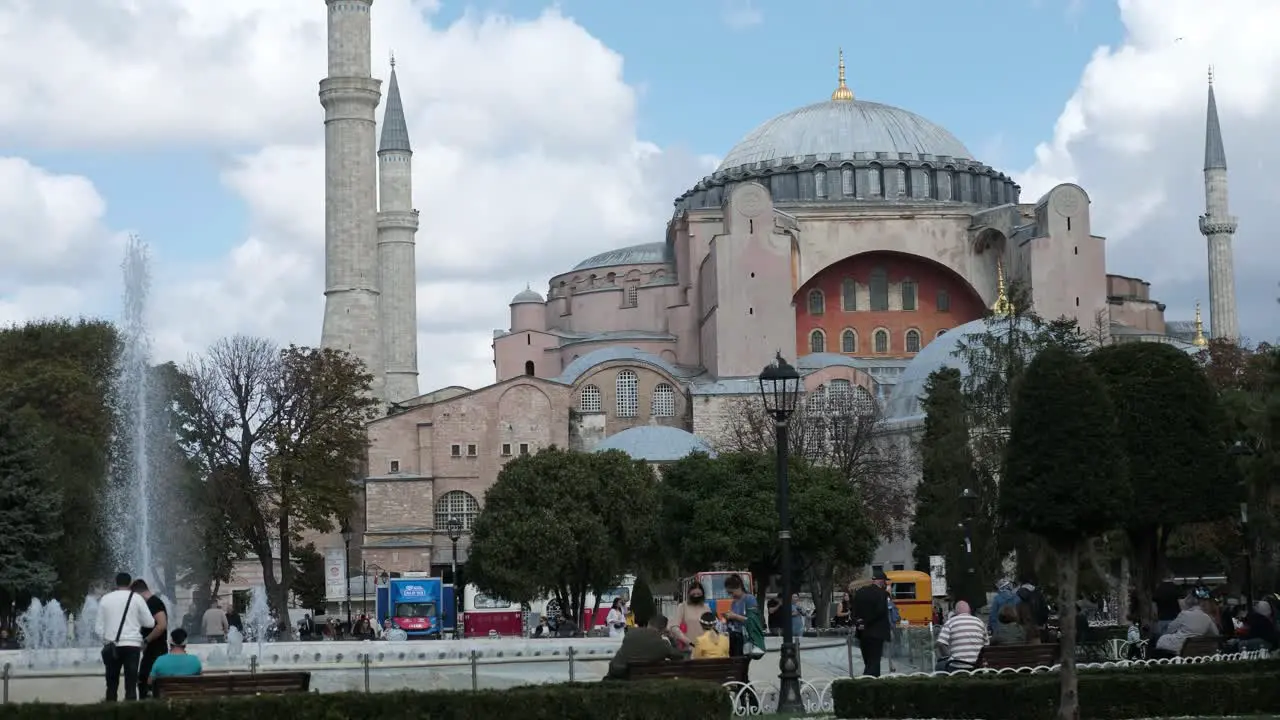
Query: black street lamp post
[(969, 510), (346, 569), (454, 527), (780, 390), (1240, 450)]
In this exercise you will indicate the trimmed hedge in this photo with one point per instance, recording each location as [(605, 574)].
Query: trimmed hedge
[(1209, 689), (653, 700)]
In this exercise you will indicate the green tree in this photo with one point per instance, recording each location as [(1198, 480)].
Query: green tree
[(57, 375), (1174, 434), (309, 582), (1064, 478), (563, 523), (946, 470), (642, 605), (30, 512), (283, 431)]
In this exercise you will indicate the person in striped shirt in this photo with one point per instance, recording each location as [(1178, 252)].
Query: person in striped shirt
[(961, 639)]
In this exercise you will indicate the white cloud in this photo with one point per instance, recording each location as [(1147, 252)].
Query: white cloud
[(741, 14), (1133, 136), (526, 154)]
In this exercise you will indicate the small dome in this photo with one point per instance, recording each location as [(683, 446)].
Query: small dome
[(527, 295), (844, 127), (642, 254), (904, 402), (655, 443)]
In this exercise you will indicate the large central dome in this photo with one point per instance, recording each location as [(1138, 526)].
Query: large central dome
[(844, 127)]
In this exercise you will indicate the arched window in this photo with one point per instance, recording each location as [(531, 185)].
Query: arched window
[(528, 367), (817, 342), (882, 341), (863, 403), (879, 289), (663, 402), (839, 395), (846, 181), (913, 341), (848, 341), (456, 505), (849, 295), (820, 183), (941, 332), (589, 399), (908, 294), (817, 302), (625, 387), (944, 301)]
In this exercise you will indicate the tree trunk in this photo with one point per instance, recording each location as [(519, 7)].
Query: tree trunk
[(1145, 571), (280, 597), (1068, 581), (1122, 592), (823, 588)]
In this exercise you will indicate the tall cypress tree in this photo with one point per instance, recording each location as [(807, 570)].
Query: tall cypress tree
[(30, 512)]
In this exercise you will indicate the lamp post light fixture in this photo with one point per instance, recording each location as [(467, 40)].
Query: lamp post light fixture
[(969, 511), (1239, 449), (780, 391), (346, 568), (454, 528)]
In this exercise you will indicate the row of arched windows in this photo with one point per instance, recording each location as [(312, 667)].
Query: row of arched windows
[(627, 395), (901, 182), (878, 286), (912, 341)]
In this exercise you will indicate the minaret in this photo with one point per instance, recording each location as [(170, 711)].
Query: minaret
[(1002, 306), (842, 93), (1199, 339), (350, 96), (1218, 227), (397, 227)]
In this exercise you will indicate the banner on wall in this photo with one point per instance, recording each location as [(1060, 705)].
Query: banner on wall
[(335, 574), (938, 574)]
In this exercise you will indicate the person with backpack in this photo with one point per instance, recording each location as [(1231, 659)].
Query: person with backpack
[(1035, 610), (122, 616)]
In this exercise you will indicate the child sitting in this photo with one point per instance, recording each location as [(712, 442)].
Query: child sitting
[(711, 643)]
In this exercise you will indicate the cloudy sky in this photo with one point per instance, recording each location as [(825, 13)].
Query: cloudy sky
[(196, 124)]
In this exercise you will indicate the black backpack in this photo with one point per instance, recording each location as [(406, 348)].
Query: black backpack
[(1035, 600)]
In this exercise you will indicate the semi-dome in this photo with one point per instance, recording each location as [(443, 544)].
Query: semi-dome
[(942, 352), (644, 253), (655, 443), (843, 127), (527, 295)]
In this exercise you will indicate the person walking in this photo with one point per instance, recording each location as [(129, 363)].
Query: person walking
[(122, 615), (154, 643), (872, 623), (214, 623)]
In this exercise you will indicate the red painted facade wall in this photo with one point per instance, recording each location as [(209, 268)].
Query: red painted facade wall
[(930, 277)]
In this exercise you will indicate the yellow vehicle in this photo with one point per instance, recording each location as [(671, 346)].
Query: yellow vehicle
[(911, 591)]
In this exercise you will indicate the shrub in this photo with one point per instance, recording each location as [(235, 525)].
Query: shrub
[(1212, 689), (655, 700)]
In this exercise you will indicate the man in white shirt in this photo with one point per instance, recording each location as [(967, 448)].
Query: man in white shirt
[(122, 615), (961, 639)]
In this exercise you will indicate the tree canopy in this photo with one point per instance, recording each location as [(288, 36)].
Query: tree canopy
[(563, 523), (30, 512)]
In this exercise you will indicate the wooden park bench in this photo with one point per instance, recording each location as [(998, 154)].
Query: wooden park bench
[(1028, 655), (228, 684), (1201, 646), (721, 670)]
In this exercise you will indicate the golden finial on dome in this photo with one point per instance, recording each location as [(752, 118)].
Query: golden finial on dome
[(1001, 306), (1199, 340), (842, 92)]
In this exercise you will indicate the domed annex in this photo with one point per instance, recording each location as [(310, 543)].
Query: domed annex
[(863, 240)]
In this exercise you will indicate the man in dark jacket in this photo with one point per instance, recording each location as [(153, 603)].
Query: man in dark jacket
[(871, 618), (642, 645)]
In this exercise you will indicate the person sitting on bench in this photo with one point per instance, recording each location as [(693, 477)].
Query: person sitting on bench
[(643, 645), (711, 643), (177, 663)]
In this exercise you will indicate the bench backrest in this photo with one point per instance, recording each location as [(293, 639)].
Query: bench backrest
[(999, 657), (1201, 646), (715, 669), (226, 684)]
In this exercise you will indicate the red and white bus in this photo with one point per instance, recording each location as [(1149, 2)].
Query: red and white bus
[(483, 616)]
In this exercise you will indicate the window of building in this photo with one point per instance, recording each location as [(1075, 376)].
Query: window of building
[(456, 505), (879, 286), (848, 341), (944, 301), (589, 399), (908, 294), (944, 185), (395, 466), (899, 567), (817, 341), (839, 395), (849, 295), (941, 332), (472, 451), (895, 182), (528, 367), (455, 450), (913, 341), (846, 181), (820, 183), (625, 387), (920, 183), (663, 402), (506, 449), (632, 297), (873, 181), (877, 568), (524, 448), (863, 403), (882, 341), (817, 302)]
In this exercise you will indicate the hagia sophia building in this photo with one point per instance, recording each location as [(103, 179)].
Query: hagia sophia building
[(861, 239)]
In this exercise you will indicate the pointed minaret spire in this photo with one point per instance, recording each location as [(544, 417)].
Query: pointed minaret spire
[(1218, 227), (1002, 305), (395, 131), (1199, 339), (842, 92)]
